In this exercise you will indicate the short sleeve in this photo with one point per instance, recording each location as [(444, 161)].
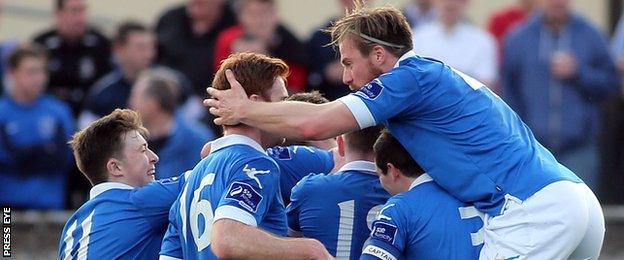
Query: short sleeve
[(250, 190), (171, 244), (388, 238), (383, 98), (293, 211), (158, 196)]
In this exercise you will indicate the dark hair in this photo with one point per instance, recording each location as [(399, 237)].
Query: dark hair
[(125, 29), (314, 97), (369, 26), (388, 150), (237, 5), (59, 5), (29, 50), (255, 72), (102, 140), (161, 87), (362, 141)]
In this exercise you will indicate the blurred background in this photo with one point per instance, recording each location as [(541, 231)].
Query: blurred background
[(65, 63)]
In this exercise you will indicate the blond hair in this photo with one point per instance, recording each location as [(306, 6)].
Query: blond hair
[(369, 26)]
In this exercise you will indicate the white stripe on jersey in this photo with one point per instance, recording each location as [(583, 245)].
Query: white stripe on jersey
[(345, 229), (84, 240), (69, 240)]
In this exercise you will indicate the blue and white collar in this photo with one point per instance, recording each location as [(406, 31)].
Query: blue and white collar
[(235, 139), (420, 180), (407, 55), (360, 166), (102, 187)]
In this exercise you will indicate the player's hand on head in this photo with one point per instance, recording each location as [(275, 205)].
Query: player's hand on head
[(227, 105)]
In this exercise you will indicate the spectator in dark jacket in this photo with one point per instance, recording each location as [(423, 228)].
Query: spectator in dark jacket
[(79, 53), (134, 51), (326, 70)]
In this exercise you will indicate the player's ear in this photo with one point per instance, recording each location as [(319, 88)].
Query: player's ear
[(393, 171), (379, 54), (113, 166), (341, 145)]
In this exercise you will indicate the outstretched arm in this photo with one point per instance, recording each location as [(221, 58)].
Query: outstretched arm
[(234, 240), (290, 119)]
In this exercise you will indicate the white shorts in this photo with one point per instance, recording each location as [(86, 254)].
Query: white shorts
[(563, 220)]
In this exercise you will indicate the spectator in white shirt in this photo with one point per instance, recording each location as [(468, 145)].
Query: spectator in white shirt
[(454, 41), (419, 12)]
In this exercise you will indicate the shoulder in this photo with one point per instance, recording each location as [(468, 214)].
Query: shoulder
[(96, 36), (522, 30), (583, 24), (258, 161), (43, 36), (52, 102), (428, 195), (105, 83), (283, 31), (311, 184), (280, 152), (194, 131), (177, 12)]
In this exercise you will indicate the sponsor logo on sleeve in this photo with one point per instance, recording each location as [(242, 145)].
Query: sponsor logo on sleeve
[(371, 90), (378, 252), (246, 196), (384, 232)]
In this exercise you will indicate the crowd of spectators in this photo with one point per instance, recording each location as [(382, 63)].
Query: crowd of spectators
[(548, 62)]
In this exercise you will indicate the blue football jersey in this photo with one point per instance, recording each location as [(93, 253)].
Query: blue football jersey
[(338, 209), (296, 162), (467, 138), (236, 181), (120, 222), (425, 223)]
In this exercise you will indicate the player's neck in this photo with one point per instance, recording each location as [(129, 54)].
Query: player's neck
[(407, 184), (339, 160), (352, 156), (244, 130), (120, 179)]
